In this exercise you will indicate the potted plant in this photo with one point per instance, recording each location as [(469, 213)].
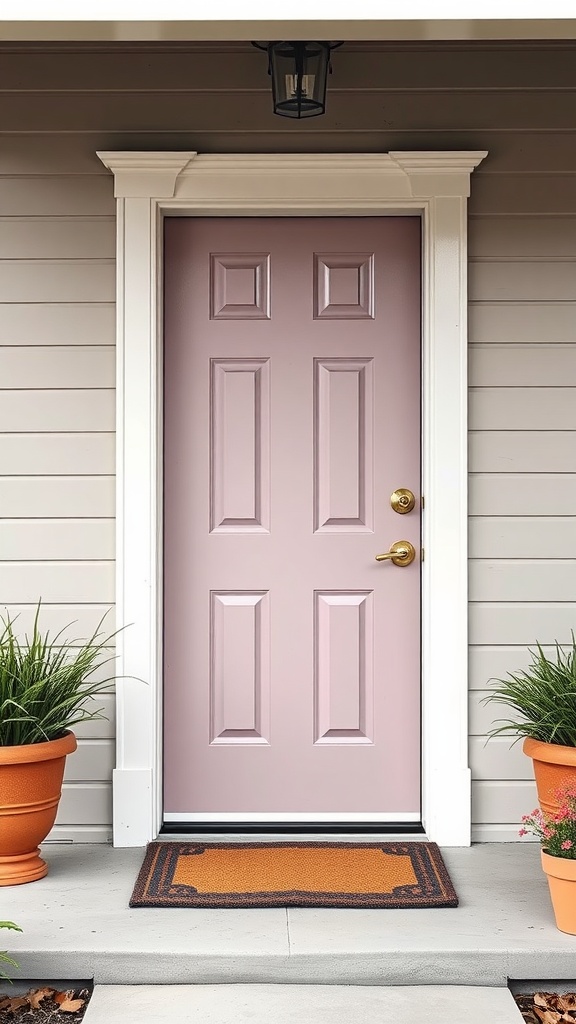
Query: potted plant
[(544, 701), (46, 688), (557, 835)]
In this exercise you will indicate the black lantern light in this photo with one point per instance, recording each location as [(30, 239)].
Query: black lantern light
[(299, 72)]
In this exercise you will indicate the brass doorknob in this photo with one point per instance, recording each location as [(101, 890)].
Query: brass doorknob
[(401, 553)]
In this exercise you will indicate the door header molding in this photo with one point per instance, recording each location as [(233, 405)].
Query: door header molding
[(394, 176), (149, 186)]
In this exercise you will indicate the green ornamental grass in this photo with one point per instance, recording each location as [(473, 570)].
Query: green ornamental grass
[(543, 697), (46, 684), (4, 958)]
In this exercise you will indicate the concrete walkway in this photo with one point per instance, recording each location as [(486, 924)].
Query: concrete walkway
[(77, 924), (295, 1004)]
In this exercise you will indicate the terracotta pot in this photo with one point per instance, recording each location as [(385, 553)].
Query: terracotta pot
[(561, 875), (30, 787), (554, 768)]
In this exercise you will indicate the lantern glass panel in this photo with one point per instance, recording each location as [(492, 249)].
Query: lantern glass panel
[(299, 72)]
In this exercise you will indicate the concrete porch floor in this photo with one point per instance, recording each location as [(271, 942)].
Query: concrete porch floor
[(77, 924)]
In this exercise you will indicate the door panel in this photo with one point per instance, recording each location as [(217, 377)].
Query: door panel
[(292, 398)]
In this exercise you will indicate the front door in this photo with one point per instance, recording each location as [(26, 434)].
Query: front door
[(291, 415)]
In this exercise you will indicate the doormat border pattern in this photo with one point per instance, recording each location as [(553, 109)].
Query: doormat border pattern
[(155, 886)]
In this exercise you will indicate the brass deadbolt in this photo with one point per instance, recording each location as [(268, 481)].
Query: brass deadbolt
[(402, 500)]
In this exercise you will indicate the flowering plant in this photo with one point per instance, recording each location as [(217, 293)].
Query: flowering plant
[(556, 832)]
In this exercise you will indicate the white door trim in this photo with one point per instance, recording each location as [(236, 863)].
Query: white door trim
[(149, 186)]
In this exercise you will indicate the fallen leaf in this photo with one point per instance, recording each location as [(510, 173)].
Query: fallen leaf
[(567, 1001), (547, 1016), (71, 1005), (67, 1003), (544, 999), (36, 996), (13, 1003)]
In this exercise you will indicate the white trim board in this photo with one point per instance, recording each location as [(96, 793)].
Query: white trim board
[(149, 186)]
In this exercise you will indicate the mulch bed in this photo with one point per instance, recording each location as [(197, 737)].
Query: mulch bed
[(547, 1007), (45, 1006)]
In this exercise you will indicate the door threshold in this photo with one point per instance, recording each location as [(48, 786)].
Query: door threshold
[(292, 830)]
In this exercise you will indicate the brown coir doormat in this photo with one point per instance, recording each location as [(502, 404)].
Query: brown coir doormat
[(379, 875)]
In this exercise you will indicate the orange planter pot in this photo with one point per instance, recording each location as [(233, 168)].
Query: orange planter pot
[(561, 875), (30, 787), (554, 768)]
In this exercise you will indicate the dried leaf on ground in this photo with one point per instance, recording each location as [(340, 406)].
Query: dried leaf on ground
[(13, 1003), (44, 1006), (37, 996), (547, 1007), (567, 1001), (71, 1005), (545, 1000), (547, 1016)]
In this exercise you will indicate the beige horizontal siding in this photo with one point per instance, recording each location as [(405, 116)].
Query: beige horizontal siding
[(57, 410), (58, 454), (515, 451), (502, 803), (506, 579), (57, 242), (54, 238), (521, 366), (85, 803), (56, 539), (56, 153), (489, 661), (410, 110), (535, 321), (530, 409), (55, 497), (521, 623), (518, 494), (78, 621), (57, 280), (41, 367), (537, 238), (82, 323), (91, 762), (522, 537), (523, 461), (80, 833), (519, 194), (99, 728), (357, 66), (551, 280), (66, 194), (486, 715), (499, 759), (57, 582)]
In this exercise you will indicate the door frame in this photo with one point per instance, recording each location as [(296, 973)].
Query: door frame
[(150, 186)]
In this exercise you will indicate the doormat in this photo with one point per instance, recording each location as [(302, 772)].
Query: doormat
[(360, 875)]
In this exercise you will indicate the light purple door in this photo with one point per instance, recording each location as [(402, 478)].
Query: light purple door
[(292, 412)]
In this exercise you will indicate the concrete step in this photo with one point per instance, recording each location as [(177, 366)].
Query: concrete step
[(77, 924), (295, 1004)]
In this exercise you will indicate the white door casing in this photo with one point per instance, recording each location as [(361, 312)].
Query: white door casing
[(149, 186)]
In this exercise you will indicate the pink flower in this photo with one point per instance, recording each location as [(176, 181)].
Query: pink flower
[(523, 832), (548, 832), (567, 844)]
